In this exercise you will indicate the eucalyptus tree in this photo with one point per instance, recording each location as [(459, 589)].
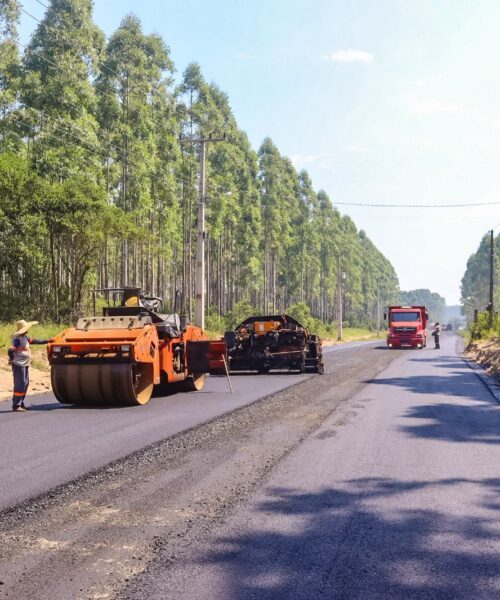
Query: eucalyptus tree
[(476, 279), (55, 114), (279, 183), (133, 88), (307, 239), (10, 70), (57, 95)]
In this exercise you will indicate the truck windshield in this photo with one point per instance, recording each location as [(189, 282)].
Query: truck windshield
[(405, 316)]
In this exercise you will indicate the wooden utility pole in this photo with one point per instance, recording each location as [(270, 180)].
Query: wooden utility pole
[(492, 275), (378, 309), (341, 276), (199, 303)]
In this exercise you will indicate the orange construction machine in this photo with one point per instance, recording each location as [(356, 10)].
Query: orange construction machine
[(120, 357)]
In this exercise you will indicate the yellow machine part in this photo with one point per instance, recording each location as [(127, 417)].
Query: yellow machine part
[(103, 383), (265, 326)]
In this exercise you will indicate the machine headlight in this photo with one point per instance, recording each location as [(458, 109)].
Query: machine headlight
[(125, 348), (56, 349)]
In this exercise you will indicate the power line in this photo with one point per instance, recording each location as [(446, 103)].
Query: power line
[(415, 205), (68, 125), (93, 150), (58, 31), (81, 145), (95, 87)]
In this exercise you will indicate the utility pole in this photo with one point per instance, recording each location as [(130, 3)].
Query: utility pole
[(199, 286), (378, 309), (490, 304), (341, 276)]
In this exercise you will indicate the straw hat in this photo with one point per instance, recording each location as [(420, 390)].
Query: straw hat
[(23, 326)]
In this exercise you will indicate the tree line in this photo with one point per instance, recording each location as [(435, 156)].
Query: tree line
[(476, 280), (96, 189), (435, 303)]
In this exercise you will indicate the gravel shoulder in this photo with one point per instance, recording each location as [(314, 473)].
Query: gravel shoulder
[(94, 537)]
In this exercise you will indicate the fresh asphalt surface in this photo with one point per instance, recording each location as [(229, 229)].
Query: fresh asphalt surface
[(396, 496), (55, 443)]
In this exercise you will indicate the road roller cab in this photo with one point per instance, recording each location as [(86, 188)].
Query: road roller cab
[(120, 357)]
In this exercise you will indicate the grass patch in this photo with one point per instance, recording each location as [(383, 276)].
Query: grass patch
[(357, 334), (354, 334)]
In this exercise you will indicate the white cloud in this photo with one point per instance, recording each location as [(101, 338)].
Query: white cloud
[(349, 56)]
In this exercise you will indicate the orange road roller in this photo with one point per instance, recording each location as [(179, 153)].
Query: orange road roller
[(119, 358)]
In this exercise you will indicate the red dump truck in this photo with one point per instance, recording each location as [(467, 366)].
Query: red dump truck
[(407, 326)]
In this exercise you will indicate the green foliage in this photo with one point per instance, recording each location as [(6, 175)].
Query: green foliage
[(240, 311), (481, 328), (41, 331), (436, 304), (302, 313), (96, 190), (476, 279)]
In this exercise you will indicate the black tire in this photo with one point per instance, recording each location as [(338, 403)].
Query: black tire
[(193, 383)]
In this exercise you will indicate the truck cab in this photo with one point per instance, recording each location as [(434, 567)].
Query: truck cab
[(407, 326)]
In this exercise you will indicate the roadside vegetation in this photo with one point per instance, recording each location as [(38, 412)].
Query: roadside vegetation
[(97, 190), (482, 339)]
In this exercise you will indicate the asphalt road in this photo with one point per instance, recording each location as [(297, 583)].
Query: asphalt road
[(396, 495), (378, 480), (55, 443)]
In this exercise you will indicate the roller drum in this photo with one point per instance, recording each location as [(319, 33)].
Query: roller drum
[(102, 383)]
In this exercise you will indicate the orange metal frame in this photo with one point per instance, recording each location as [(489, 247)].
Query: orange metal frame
[(145, 347)]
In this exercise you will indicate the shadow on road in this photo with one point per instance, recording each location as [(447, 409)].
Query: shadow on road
[(457, 421), (339, 543), (456, 383)]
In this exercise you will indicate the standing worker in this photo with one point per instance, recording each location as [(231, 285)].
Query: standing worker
[(20, 359), (435, 334)]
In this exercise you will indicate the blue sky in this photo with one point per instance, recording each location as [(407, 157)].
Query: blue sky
[(393, 101)]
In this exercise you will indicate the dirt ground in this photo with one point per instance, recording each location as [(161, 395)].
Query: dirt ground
[(487, 353), (39, 379)]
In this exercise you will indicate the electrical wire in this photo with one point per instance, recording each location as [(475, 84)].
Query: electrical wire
[(101, 91), (68, 125), (59, 32), (110, 94), (93, 150), (65, 141), (415, 205)]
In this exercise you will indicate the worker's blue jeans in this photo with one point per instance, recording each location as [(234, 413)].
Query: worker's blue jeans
[(21, 383)]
